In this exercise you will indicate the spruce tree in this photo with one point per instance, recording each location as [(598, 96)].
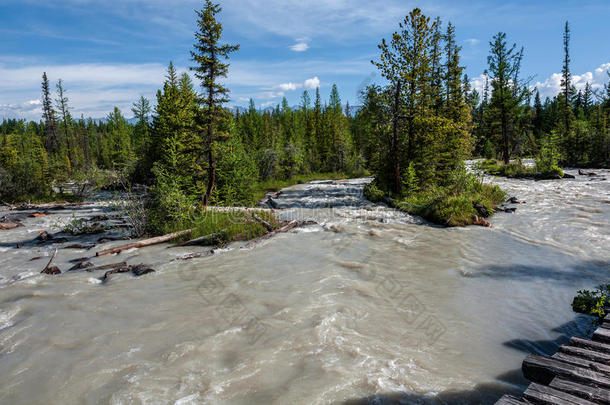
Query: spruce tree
[(64, 110), (209, 56), (50, 120), (566, 81), (503, 104)]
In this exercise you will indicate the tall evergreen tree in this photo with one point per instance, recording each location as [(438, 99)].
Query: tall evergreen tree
[(566, 81), (209, 56), (502, 67), (51, 140), (64, 110)]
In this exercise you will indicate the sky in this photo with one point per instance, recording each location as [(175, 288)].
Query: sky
[(111, 52)]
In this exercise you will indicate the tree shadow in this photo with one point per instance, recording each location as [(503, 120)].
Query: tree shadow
[(594, 270), (511, 383), (579, 327)]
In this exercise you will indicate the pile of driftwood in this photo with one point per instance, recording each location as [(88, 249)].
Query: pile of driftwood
[(139, 270)]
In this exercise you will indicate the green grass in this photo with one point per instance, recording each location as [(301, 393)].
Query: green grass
[(270, 186), (236, 226), (451, 206)]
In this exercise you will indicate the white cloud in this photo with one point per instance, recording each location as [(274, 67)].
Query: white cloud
[(268, 104), (312, 84), (288, 86), (472, 41), (300, 47), (552, 85)]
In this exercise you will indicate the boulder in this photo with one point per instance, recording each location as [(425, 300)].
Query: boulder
[(141, 270), (568, 176), (5, 226), (515, 200)]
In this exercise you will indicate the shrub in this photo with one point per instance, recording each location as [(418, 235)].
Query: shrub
[(592, 302), (373, 193)]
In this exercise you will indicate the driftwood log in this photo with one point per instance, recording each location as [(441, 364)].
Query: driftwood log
[(207, 240), (263, 222), (286, 228), (107, 267), (51, 270), (144, 243)]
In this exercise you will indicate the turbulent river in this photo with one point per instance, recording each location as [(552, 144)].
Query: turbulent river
[(370, 306)]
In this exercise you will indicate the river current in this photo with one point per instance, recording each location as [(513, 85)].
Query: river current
[(370, 306)]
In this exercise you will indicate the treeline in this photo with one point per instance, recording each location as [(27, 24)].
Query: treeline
[(512, 121), (413, 133)]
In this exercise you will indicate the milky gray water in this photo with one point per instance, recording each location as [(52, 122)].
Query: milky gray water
[(370, 306)]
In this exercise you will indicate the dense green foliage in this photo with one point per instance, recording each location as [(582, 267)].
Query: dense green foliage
[(592, 302)]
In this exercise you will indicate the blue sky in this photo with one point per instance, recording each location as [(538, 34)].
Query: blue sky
[(109, 52)]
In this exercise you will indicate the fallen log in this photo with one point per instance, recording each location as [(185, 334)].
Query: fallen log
[(263, 222), (207, 240), (107, 267), (81, 266), (80, 246), (79, 260), (194, 255), (109, 239), (286, 228), (137, 271), (144, 243), (51, 270)]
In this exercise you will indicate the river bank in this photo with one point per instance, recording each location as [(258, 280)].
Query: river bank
[(371, 303)]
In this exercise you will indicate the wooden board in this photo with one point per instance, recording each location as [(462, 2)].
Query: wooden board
[(541, 394), (583, 353), (510, 400), (584, 363), (602, 335), (542, 370), (589, 345), (594, 394)]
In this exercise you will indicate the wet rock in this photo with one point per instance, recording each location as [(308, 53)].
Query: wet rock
[(53, 271), (515, 200), (38, 215), (272, 203), (59, 240), (568, 176), (141, 270), (5, 226), (481, 222), (509, 210), (44, 237), (19, 246), (481, 210), (585, 173)]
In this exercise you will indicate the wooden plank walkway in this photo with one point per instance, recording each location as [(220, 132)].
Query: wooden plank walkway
[(578, 374)]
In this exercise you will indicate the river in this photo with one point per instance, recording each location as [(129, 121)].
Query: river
[(371, 306)]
